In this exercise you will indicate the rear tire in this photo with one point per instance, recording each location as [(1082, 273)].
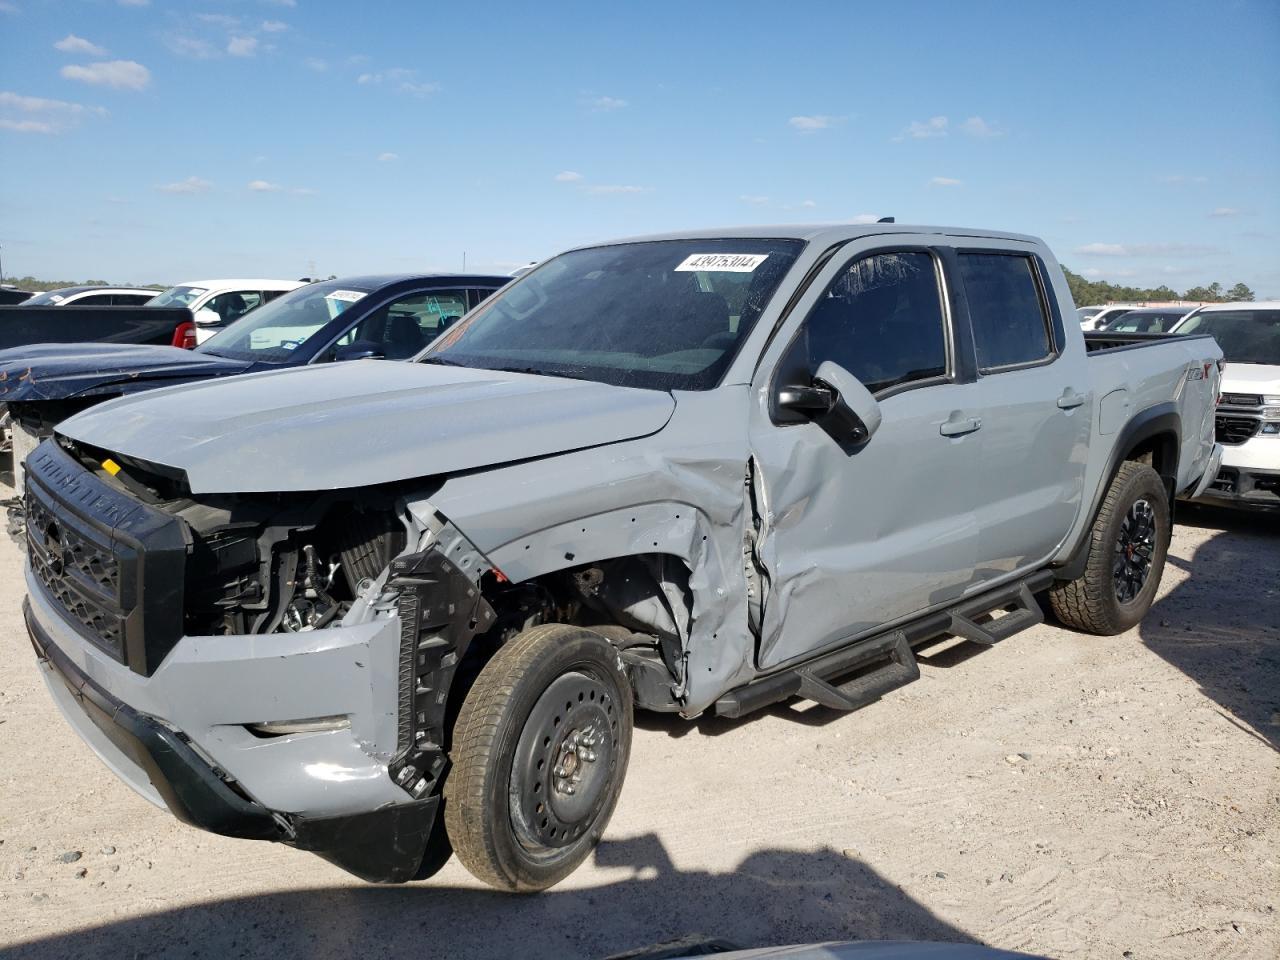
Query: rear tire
[(1127, 549), (540, 752)]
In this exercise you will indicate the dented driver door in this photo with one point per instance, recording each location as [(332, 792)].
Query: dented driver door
[(850, 537)]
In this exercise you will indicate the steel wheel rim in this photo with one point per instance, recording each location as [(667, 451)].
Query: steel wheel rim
[(564, 763), (1135, 551)]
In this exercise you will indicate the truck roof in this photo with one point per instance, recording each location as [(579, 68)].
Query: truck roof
[(821, 232)]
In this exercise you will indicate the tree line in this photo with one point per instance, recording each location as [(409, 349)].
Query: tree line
[(1084, 292), (1089, 292), (39, 286)]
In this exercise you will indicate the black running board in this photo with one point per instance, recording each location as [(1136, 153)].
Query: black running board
[(886, 662)]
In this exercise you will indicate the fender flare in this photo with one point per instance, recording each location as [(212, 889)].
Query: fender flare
[(1161, 419)]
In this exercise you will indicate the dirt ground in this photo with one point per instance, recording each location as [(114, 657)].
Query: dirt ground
[(1059, 794)]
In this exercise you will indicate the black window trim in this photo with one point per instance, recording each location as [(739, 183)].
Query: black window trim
[(1049, 314), (955, 372)]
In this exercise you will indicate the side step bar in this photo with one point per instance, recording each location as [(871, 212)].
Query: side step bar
[(887, 661)]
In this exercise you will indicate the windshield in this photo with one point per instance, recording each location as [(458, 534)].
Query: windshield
[(666, 314), (1139, 322), (1245, 336), (273, 331), (177, 297)]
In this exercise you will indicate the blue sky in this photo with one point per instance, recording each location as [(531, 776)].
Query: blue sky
[(161, 141)]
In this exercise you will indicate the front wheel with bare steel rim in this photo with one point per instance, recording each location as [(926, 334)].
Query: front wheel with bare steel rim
[(1127, 549), (539, 755)]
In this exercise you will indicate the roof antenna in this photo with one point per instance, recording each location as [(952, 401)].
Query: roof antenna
[(885, 220)]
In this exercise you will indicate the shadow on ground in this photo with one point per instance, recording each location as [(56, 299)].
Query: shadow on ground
[(1222, 626), (773, 897)]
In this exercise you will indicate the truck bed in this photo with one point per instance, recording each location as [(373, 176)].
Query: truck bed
[(22, 326)]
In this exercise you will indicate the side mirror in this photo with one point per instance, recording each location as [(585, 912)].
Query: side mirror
[(837, 402), (208, 318), (359, 350)]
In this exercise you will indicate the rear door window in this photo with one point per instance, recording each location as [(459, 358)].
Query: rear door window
[(1010, 323)]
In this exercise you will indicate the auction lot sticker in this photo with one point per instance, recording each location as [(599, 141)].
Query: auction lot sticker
[(723, 262)]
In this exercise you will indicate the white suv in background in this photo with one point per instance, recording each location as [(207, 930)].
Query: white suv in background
[(216, 303), (1248, 416)]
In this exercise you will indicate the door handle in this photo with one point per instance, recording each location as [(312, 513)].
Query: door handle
[(1070, 399), (959, 426)]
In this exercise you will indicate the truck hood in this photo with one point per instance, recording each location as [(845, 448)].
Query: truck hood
[(366, 422), (1260, 378), (56, 371)]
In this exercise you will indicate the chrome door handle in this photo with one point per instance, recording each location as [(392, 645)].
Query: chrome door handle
[(959, 427), (1070, 399)]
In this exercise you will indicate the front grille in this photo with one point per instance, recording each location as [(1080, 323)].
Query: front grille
[(79, 573), (113, 566), (1235, 430), (1226, 481), (1242, 399)]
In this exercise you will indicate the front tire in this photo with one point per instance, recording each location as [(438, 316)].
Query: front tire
[(540, 752), (1127, 550)]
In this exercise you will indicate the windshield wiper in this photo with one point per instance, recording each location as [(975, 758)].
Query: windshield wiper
[(442, 361), (536, 372)]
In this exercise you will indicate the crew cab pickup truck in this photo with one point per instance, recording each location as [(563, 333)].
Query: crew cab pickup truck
[(390, 316), (389, 611), (1248, 420)]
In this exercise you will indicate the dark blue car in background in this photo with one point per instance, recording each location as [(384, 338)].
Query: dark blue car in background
[(391, 317)]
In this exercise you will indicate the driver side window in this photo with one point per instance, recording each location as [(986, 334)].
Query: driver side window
[(882, 320), (230, 307)]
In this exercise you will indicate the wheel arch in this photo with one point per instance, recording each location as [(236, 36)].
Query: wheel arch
[(1152, 436)]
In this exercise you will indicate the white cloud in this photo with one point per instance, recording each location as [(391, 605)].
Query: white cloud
[(73, 44), (219, 20), (1144, 250), (402, 79), (944, 182), (605, 104), (263, 186), (7, 7), (242, 46), (1182, 178), (274, 26), (1095, 273), (282, 3), (807, 203), (754, 199), (119, 74), (616, 188), (568, 176), (933, 127), (977, 127), (388, 157), (316, 64), (192, 48), (133, 3), (1226, 212), (302, 191), (813, 123), (23, 114), (189, 185)]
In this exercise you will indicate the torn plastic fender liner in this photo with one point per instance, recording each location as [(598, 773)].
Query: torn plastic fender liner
[(441, 609)]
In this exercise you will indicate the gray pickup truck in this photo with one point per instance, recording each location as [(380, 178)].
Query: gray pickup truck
[(389, 611)]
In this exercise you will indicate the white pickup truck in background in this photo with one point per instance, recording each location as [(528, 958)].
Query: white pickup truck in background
[(216, 303), (1248, 416)]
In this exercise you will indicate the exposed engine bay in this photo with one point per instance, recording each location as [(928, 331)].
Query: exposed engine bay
[(297, 562)]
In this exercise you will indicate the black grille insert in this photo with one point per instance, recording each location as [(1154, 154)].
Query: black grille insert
[(111, 564), (1236, 429)]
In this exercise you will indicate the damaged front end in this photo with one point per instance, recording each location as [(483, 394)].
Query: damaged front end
[(273, 667)]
